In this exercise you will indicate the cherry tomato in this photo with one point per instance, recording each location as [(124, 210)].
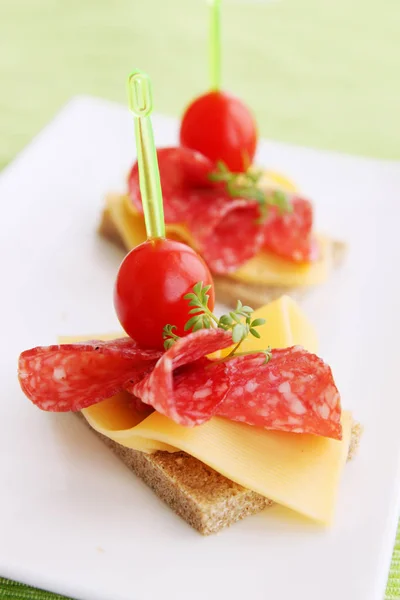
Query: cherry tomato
[(221, 127), (150, 288)]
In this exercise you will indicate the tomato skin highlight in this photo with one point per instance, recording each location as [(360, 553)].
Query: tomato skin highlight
[(150, 288), (222, 128)]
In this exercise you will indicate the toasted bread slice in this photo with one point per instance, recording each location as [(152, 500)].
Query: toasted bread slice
[(227, 289), (201, 496)]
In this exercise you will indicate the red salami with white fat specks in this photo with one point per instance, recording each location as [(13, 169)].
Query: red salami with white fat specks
[(74, 376), (225, 230), (290, 235), (295, 391), (182, 171), (184, 385)]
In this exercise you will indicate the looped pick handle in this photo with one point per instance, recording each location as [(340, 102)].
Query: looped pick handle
[(140, 94), (140, 100)]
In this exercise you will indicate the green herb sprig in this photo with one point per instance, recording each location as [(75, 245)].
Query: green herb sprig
[(169, 336), (238, 321), (246, 185)]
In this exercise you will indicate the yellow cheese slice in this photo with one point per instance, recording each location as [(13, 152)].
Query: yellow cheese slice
[(269, 269), (298, 471), (277, 180), (130, 223), (286, 325), (266, 268)]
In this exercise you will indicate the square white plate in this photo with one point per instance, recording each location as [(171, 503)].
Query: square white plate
[(73, 519)]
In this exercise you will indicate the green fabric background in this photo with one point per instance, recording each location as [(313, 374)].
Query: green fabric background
[(321, 73)]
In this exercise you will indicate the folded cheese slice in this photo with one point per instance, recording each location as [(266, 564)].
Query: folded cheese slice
[(301, 472)]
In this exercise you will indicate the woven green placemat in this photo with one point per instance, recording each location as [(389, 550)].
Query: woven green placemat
[(10, 590), (321, 74)]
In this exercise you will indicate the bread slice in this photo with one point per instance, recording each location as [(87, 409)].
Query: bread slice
[(228, 290), (201, 496)]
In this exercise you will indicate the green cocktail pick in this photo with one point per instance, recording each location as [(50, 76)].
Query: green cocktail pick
[(141, 104), (215, 44)]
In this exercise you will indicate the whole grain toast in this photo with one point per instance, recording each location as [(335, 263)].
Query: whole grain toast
[(228, 290), (201, 496)]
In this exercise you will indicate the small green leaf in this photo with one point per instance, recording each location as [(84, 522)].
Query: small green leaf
[(169, 336), (189, 324), (225, 322), (189, 296), (247, 309), (235, 317), (258, 322), (237, 333), (195, 311), (255, 333), (198, 325), (197, 287)]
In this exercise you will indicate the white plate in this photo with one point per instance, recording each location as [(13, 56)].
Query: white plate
[(73, 519)]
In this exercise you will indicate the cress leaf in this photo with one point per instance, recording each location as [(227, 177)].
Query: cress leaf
[(247, 185), (197, 288), (235, 317), (238, 333), (198, 325), (255, 333), (258, 322), (192, 322), (247, 309)]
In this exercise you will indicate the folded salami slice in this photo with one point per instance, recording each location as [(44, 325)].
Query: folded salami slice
[(290, 235), (184, 385), (295, 391), (182, 171), (225, 230), (74, 376)]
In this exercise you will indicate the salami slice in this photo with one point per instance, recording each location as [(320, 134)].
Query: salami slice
[(228, 232), (225, 230), (181, 172), (290, 234), (184, 385), (294, 392), (74, 376)]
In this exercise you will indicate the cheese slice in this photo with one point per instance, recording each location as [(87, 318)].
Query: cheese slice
[(265, 268), (286, 325), (298, 471), (269, 269), (275, 180)]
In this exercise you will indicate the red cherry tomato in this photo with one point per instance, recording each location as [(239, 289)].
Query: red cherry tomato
[(221, 127), (150, 288)]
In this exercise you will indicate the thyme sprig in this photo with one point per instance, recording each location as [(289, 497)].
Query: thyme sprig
[(246, 185), (238, 321)]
